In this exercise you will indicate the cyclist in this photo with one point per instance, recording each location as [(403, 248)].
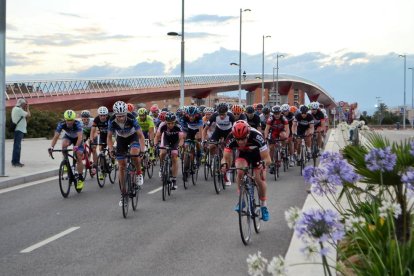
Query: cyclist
[(170, 134), (277, 127), (147, 126), (319, 122), (289, 115), (258, 109), (303, 127), (128, 135), (100, 124), (192, 126), (264, 117), (252, 151), (223, 121), (73, 136), (252, 118)]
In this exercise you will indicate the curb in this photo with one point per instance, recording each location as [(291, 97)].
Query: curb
[(14, 181)]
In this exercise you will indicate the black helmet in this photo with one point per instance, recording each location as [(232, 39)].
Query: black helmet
[(170, 117), (164, 109), (201, 108), (276, 109), (304, 109), (259, 106), (249, 109), (266, 110), (222, 108)]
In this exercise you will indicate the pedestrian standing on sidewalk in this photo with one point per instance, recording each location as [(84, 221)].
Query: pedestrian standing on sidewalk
[(19, 114)]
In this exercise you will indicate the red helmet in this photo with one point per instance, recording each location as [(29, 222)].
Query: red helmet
[(131, 107), (162, 116), (240, 129), (154, 108)]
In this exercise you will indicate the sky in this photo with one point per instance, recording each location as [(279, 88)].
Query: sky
[(322, 40)]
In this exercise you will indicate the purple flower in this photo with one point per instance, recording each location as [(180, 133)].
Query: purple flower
[(380, 159), (408, 177), (319, 225), (342, 169), (328, 156)]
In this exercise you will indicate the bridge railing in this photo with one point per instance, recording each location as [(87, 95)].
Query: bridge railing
[(37, 89)]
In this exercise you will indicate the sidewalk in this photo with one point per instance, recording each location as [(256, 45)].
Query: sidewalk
[(297, 264), (36, 160)]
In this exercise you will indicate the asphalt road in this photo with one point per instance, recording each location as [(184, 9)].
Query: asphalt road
[(194, 232)]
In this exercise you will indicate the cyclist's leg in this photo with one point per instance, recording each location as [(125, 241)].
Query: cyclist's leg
[(94, 151), (240, 162), (121, 150)]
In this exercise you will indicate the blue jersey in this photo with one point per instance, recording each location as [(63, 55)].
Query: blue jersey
[(194, 125), (124, 129), (72, 131)]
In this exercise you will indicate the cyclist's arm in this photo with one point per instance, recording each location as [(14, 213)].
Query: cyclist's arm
[(204, 132), (295, 127), (181, 136), (311, 128), (54, 139), (109, 141), (266, 131), (141, 139), (157, 137), (93, 133), (287, 130), (265, 156), (227, 155)]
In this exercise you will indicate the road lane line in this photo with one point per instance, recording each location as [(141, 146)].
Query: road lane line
[(6, 190), (48, 240), (154, 191)]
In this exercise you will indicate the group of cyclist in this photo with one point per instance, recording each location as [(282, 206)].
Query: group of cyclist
[(248, 134)]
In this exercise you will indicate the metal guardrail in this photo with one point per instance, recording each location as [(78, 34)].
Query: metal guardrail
[(37, 89)]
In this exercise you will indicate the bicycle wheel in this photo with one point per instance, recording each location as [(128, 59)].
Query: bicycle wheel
[(164, 180), (150, 168), (125, 197), (206, 165), (314, 152), (134, 191), (216, 174), (65, 181), (143, 165), (244, 216), (101, 171), (194, 171), (256, 211), (186, 169), (168, 176), (302, 159), (275, 160), (112, 169)]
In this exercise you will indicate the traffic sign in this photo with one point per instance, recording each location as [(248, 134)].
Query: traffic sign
[(341, 104)]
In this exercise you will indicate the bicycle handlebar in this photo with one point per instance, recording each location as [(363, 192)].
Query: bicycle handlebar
[(57, 150)]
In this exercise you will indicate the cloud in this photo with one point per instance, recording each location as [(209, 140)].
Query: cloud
[(13, 59), (209, 18), (10, 27), (70, 14), (199, 35)]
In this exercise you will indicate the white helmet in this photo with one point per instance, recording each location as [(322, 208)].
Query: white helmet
[(314, 105), (103, 110), (120, 107), (208, 110), (285, 108)]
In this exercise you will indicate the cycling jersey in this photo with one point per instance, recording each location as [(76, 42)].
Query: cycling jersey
[(290, 117), (86, 128), (224, 124), (186, 124), (171, 137), (303, 123), (318, 118), (71, 132), (251, 151), (277, 125), (146, 124), (123, 129), (241, 117), (101, 125), (254, 122)]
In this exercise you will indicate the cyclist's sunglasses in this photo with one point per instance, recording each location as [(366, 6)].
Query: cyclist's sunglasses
[(222, 114), (242, 139), (236, 114)]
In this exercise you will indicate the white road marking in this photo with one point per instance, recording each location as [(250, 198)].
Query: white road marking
[(6, 190), (154, 191), (46, 241)]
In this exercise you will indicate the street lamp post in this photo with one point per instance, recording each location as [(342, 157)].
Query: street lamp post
[(263, 53), (3, 86), (405, 66), (379, 109), (182, 54), (412, 87), (277, 73), (240, 51)]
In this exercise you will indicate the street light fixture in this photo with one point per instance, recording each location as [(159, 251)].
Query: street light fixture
[(277, 73), (182, 54), (405, 62), (240, 51), (263, 54)]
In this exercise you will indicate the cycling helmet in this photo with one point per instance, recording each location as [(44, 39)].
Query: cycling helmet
[(249, 109), (130, 107), (103, 110), (222, 108), (165, 109), (259, 106), (201, 108), (254, 106), (69, 115), (276, 109), (154, 108), (314, 105), (191, 110), (120, 107), (236, 109), (293, 109), (266, 110), (303, 109), (170, 117), (142, 111), (85, 114), (240, 129), (208, 110), (162, 116), (284, 108)]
